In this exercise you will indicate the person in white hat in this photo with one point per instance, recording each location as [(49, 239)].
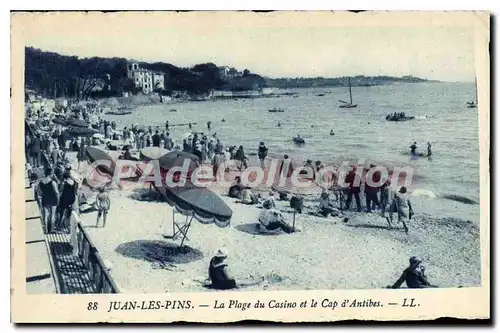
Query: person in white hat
[(218, 271)]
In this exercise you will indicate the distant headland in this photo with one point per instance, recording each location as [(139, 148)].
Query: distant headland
[(59, 76)]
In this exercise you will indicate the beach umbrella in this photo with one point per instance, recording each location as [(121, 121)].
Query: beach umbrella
[(177, 158), (199, 203), (152, 153), (77, 122), (95, 154), (60, 120), (81, 131)]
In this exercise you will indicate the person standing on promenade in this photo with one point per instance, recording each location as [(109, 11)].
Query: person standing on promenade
[(103, 204), (262, 154), (69, 189), (49, 192), (36, 151)]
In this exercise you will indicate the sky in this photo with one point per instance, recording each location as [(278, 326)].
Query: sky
[(266, 45)]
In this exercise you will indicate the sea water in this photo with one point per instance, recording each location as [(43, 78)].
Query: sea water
[(442, 119)]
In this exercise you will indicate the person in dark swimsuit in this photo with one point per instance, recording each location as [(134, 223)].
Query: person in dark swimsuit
[(69, 190), (47, 187), (413, 148)]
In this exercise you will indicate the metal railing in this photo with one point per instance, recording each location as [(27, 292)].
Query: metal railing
[(93, 262)]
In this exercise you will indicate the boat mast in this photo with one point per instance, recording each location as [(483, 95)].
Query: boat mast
[(350, 92), (475, 83)]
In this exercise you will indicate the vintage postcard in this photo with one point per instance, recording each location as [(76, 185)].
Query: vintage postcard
[(223, 166)]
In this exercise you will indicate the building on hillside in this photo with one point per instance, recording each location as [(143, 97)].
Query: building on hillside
[(227, 72), (148, 81)]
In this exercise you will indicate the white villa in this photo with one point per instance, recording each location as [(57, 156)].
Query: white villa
[(145, 79)]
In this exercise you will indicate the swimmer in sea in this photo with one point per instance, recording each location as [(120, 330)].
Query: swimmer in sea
[(413, 148)]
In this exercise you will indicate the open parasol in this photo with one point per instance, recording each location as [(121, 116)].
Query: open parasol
[(199, 203), (81, 131), (177, 158), (77, 122), (96, 154), (60, 120), (152, 153)]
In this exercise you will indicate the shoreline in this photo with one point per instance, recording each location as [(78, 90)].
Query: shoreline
[(322, 255)]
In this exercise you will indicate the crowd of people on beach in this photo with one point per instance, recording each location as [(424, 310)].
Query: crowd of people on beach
[(59, 188)]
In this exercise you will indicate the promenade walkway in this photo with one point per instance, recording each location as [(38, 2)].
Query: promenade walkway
[(39, 277), (51, 265)]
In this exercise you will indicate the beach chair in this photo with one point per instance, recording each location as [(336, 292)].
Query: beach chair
[(180, 229)]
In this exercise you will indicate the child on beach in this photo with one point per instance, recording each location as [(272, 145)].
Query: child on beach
[(103, 204)]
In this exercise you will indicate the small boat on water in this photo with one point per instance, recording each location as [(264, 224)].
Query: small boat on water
[(276, 110), (398, 117), (173, 110), (320, 95), (119, 112), (473, 104), (298, 140), (348, 105)]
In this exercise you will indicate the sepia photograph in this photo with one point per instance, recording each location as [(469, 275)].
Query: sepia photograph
[(238, 154)]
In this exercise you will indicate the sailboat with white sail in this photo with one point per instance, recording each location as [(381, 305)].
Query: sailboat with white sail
[(348, 105), (473, 104)]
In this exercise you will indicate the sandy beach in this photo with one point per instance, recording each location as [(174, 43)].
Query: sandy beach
[(326, 253)]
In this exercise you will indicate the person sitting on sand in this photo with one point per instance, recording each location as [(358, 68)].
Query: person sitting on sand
[(402, 206), (235, 190), (110, 146), (269, 201), (127, 154), (248, 197), (272, 219), (103, 204), (218, 271), (325, 205), (414, 276)]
